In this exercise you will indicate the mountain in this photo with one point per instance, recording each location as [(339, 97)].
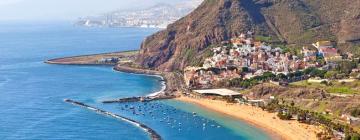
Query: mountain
[(290, 22), (159, 16)]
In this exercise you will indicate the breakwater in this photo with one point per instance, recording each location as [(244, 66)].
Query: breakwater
[(139, 99), (151, 132)]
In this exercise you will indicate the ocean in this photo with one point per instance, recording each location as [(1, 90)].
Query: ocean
[(32, 92)]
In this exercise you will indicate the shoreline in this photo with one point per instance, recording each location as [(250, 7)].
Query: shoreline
[(164, 86), (172, 83), (268, 122), (268, 131), (169, 79), (129, 70)]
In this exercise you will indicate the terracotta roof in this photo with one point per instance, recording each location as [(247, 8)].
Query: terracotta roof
[(329, 50)]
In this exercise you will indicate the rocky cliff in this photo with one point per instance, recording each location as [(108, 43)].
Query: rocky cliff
[(296, 22)]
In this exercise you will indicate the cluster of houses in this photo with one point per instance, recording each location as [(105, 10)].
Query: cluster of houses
[(327, 50), (244, 53)]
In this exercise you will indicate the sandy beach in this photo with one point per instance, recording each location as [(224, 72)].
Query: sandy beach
[(278, 129)]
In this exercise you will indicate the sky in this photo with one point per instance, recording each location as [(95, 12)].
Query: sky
[(43, 10)]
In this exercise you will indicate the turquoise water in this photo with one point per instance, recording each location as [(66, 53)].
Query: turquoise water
[(32, 93)]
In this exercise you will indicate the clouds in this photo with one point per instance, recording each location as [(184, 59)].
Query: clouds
[(66, 9)]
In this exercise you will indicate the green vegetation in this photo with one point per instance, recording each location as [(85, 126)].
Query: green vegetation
[(332, 87), (197, 59), (284, 116), (343, 70), (267, 76), (239, 82), (356, 51), (320, 60), (293, 50), (190, 55), (130, 52), (315, 72), (352, 137), (355, 112), (307, 36), (331, 74), (342, 90), (263, 38), (346, 66), (286, 111)]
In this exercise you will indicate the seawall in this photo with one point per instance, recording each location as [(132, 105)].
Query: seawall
[(136, 70)]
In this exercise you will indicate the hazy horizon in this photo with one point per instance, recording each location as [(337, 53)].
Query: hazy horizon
[(67, 10)]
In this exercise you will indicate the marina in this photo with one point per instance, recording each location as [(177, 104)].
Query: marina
[(151, 132), (52, 118)]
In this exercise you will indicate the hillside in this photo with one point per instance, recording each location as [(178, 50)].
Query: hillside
[(295, 22)]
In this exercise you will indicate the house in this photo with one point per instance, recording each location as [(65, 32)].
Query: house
[(355, 70), (325, 50), (323, 44), (330, 65), (332, 57), (309, 55)]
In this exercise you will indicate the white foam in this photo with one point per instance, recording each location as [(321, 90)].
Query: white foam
[(163, 88)]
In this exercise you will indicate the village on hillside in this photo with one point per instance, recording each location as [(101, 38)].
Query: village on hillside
[(244, 57), (241, 65)]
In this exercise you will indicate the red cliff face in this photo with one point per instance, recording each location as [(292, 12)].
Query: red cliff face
[(291, 21)]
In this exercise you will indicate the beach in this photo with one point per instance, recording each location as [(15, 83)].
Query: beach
[(269, 122)]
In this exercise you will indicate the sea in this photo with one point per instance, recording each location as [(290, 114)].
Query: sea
[(32, 92)]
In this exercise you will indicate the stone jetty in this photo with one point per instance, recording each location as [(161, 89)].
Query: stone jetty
[(139, 99), (151, 132)]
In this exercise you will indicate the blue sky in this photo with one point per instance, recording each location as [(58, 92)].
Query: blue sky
[(33, 10)]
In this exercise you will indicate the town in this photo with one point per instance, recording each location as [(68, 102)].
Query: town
[(247, 71), (244, 57)]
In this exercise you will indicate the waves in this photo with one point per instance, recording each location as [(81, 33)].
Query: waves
[(163, 87)]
